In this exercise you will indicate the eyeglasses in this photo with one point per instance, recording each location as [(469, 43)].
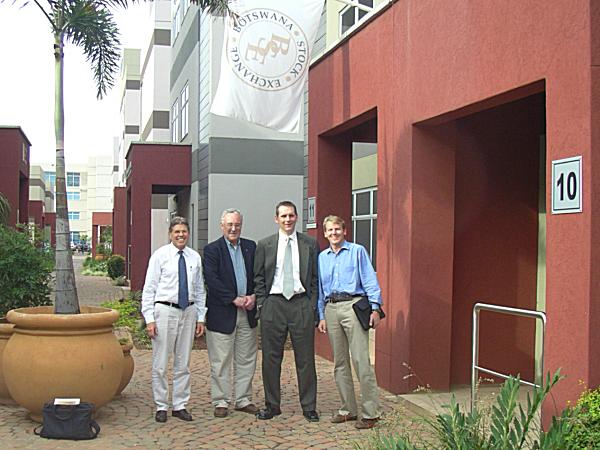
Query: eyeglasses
[(232, 225)]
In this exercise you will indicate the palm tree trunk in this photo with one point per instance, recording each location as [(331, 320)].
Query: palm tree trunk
[(66, 301)]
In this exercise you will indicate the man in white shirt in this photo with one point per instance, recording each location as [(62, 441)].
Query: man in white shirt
[(286, 288), (173, 305)]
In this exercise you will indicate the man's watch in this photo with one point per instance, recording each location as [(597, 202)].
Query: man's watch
[(380, 312)]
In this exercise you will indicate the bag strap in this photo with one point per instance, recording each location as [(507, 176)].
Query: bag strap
[(95, 428)]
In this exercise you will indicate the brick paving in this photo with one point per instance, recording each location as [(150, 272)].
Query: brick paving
[(127, 422)]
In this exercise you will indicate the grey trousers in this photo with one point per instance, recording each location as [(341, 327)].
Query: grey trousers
[(350, 342), (278, 318)]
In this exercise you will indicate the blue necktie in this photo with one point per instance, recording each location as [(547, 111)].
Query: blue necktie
[(182, 294)]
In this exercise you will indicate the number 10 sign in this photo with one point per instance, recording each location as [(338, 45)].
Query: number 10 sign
[(566, 185)]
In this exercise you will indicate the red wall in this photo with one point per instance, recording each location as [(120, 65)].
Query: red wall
[(99, 219), (119, 223), (14, 173), (36, 212), (437, 63), (164, 168)]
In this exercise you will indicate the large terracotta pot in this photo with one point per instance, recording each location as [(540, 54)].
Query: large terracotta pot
[(128, 366), (6, 331), (62, 355)]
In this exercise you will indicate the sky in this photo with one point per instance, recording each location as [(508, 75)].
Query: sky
[(27, 85)]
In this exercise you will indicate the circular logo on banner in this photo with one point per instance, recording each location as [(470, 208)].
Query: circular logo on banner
[(267, 49)]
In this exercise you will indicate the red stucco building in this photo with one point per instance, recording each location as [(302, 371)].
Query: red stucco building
[(14, 172), (470, 102)]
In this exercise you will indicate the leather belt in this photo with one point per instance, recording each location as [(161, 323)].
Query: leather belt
[(340, 297), (173, 305)]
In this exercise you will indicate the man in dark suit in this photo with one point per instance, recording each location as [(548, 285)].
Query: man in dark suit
[(231, 335), (286, 287)]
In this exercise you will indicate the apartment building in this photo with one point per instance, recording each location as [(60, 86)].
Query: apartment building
[(480, 115), (213, 162)]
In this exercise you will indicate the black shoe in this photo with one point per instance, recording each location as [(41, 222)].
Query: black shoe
[(311, 416), (161, 416), (267, 413), (183, 415)]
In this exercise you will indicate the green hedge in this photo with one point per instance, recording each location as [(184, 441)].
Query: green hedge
[(25, 271)]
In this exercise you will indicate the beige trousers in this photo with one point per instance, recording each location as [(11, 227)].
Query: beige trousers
[(232, 354), (350, 342)]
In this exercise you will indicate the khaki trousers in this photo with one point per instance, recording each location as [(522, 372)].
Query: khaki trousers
[(350, 342), (232, 355)]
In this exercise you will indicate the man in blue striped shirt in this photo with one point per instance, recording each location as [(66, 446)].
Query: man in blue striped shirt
[(345, 275)]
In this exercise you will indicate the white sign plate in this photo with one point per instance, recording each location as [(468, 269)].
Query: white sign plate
[(312, 210), (566, 186)]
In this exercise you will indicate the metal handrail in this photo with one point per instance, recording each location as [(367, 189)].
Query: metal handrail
[(475, 368)]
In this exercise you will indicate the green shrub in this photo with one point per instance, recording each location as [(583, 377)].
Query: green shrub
[(94, 267), (585, 433), (506, 425), (115, 266), (120, 281), (130, 316), (25, 271)]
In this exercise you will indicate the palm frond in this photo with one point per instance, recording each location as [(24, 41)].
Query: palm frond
[(90, 25), (216, 7)]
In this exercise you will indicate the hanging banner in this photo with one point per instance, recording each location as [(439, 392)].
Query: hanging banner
[(265, 61)]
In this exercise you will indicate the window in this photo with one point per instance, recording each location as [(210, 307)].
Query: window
[(73, 179), (51, 178), (73, 195), (185, 95), (364, 220), (351, 15), (175, 122), (175, 22), (75, 237), (73, 215)]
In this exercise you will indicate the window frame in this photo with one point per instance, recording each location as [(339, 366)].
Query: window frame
[(185, 110), (73, 195), (371, 217), (73, 177), (175, 121), (357, 17)]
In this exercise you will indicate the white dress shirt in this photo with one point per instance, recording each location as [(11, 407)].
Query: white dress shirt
[(162, 280), (277, 287)]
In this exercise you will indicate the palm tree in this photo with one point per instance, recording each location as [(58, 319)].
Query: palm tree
[(90, 25), (4, 209)]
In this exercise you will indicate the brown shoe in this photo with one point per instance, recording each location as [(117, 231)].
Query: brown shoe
[(365, 424), (220, 412), (250, 408), (341, 418)]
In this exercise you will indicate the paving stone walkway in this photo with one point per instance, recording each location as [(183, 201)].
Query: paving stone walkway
[(127, 422)]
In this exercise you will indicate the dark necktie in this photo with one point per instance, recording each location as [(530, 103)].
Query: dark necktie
[(182, 294)]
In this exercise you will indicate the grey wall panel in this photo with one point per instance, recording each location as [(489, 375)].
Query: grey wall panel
[(256, 156), (254, 195), (185, 48)]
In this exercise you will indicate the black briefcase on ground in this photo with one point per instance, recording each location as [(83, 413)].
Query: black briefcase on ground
[(362, 309), (72, 422)]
